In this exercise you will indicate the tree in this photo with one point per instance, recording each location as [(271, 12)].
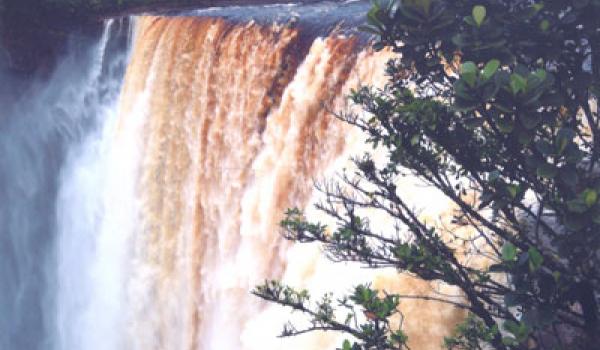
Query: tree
[(493, 100)]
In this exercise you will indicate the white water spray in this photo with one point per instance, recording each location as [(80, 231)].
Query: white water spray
[(95, 215)]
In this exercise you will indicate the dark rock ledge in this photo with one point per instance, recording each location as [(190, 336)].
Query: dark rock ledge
[(33, 33)]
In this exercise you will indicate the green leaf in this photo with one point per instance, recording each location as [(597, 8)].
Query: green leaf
[(547, 171), (519, 330), (468, 72), (535, 259), (370, 29), (509, 252), (378, 46), (566, 134), (517, 83), (490, 69), (372, 16), (468, 67), (540, 74), (493, 176), (556, 276), (505, 125), (346, 345), (415, 139), (511, 326), (590, 197), (372, 19), (489, 91), (479, 14)]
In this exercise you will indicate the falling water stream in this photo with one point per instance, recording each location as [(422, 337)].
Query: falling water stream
[(41, 133), (140, 208)]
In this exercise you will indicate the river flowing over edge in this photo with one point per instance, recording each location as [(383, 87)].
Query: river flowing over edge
[(167, 206)]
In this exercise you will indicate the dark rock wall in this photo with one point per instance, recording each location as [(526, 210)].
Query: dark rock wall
[(34, 32)]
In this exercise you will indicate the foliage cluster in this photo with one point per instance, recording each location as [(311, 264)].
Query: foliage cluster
[(493, 100)]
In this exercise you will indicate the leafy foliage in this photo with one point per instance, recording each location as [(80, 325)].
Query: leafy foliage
[(493, 100), (372, 328)]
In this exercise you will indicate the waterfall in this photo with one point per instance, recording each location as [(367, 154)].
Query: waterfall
[(169, 185), (40, 132), (94, 216)]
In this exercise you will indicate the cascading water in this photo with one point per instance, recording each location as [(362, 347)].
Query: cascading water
[(94, 216), (163, 202), (39, 133)]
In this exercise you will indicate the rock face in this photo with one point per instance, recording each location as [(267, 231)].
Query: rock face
[(33, 35)]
